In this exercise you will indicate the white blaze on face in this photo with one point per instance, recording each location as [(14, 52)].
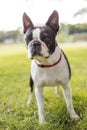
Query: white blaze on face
[(36, 34)]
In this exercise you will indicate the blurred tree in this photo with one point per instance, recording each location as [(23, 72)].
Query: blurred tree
[(81, 11), (77, 28), (13, 35)]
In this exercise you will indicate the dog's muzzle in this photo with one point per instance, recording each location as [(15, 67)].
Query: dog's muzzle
[(36, 48)]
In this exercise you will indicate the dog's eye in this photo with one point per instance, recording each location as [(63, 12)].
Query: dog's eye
[(28, 38), (46, 40)]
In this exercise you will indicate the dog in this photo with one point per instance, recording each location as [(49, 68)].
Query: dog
[(50, 66)]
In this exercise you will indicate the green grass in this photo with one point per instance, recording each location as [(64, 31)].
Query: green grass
[(14, 92)]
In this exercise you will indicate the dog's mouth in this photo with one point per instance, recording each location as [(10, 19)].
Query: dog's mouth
[(35, 54), (35, 49)]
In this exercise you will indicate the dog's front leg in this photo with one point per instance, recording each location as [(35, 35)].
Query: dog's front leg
[(40, 103), (68, 99)]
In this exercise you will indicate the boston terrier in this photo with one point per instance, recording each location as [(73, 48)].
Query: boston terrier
[(50, 66)]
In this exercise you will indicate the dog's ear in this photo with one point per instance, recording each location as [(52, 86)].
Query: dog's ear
[(27, 23), (53, 21)]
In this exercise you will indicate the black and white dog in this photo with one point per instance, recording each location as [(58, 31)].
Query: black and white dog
[(49, 66)]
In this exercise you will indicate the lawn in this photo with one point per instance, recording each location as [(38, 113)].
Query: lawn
[(14, 92)]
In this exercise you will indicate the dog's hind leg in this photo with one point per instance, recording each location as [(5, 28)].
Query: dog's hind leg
[(68, 99), (30, 98), (57, 90), (32, 91)]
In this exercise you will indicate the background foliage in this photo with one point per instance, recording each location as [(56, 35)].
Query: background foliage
[(67, 33)]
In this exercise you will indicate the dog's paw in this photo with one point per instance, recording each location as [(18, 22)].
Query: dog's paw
[(75, 117), (41, 119), (44, 123), (41, 122)]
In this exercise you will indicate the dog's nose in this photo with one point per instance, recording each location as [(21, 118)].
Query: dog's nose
[(36, 48), (36, 44)]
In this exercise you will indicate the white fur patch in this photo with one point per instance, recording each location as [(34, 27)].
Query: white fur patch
[(36, 34)]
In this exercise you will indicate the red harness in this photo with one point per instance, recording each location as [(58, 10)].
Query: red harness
[(48, 66)]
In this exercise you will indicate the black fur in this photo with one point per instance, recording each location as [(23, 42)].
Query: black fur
[(67, 64), (31, 83), (48, 36)]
